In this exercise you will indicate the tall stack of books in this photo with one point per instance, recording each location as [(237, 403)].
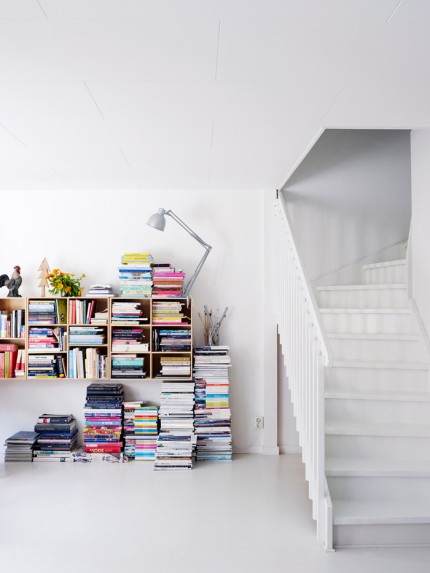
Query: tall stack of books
[(19, 447), (140, 431), (212, 411), (168, 313), (135, 275), (128, 366), (57, 438), (176, 439), (12, 326), (104, 419), (168, 281)]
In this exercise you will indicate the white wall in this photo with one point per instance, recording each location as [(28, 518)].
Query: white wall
[(87, 231), (420, 169), (350, 197)]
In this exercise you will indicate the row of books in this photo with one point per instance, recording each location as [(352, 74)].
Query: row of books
[(12, 325), (12, 361), (87, 335), (87, 363), (128, 366), (212, 411), (81, 311), (168, 313), (128, 312), (140, 431), (125, 339)]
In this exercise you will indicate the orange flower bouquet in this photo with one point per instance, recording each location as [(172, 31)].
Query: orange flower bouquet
[(64, 284)]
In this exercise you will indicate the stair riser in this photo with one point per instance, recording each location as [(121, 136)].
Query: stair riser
[(377, 350), (401, 489), (358, 323), (377, 411), (378, 447), (370, 298), (381, 535), (394, 274), (376, 379)]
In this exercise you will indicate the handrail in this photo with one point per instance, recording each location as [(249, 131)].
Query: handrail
[(313, 307), (306, 352)]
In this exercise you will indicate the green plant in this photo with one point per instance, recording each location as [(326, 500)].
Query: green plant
[(65, 284)]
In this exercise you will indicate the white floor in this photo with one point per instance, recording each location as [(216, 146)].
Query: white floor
[(250, 516)]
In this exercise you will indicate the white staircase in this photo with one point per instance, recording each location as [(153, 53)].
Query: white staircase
[(377, 411)]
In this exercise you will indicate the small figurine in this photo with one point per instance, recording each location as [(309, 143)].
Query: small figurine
[(12, 283)]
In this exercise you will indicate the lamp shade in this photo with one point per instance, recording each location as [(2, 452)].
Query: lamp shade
[(158, 220)]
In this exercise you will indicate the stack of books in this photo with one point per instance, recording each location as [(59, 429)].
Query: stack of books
[(168, 313), (176, 439), (42, 312), (140, 431), (212, 411), (168, 281), (100, 317), (57, 438), (128, 313), (101, 290), (128, 366), (87, 363), (175, 367), (45, 338), (19, 447), (104, 418), (9, 360), (171, 340), (12, 326), (87, 335), (128, 340), (46, 366), (135, 275)]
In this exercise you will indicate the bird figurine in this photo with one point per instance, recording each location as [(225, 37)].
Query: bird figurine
[(13, 283)]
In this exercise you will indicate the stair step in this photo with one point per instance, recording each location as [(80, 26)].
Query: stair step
[(388, 286), (368, 467), (369, 320), (386, 264), (381, 365), (346, 428), (377, 395), (353, 336), (364, 296), (365, 310), (347, 512)]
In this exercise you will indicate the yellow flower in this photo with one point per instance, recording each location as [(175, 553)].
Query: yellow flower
[(71, 274), (55, 271), (83, 276), (61, 274), (60, 286), (68, 288), (47, 276)]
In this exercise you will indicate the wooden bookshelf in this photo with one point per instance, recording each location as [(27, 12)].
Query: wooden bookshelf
[(68, 324)]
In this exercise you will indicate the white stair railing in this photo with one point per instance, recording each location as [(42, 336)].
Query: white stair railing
[(306, 353)]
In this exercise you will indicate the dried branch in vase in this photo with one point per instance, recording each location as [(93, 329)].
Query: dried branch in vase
[(212, 325)]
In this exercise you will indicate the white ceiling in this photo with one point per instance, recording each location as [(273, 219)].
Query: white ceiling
[(121, 94)]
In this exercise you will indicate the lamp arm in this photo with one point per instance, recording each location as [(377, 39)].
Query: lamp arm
[(187, 228), (207, 248)]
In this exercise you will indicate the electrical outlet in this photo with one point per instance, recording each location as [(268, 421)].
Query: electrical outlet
[(259, 422)]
